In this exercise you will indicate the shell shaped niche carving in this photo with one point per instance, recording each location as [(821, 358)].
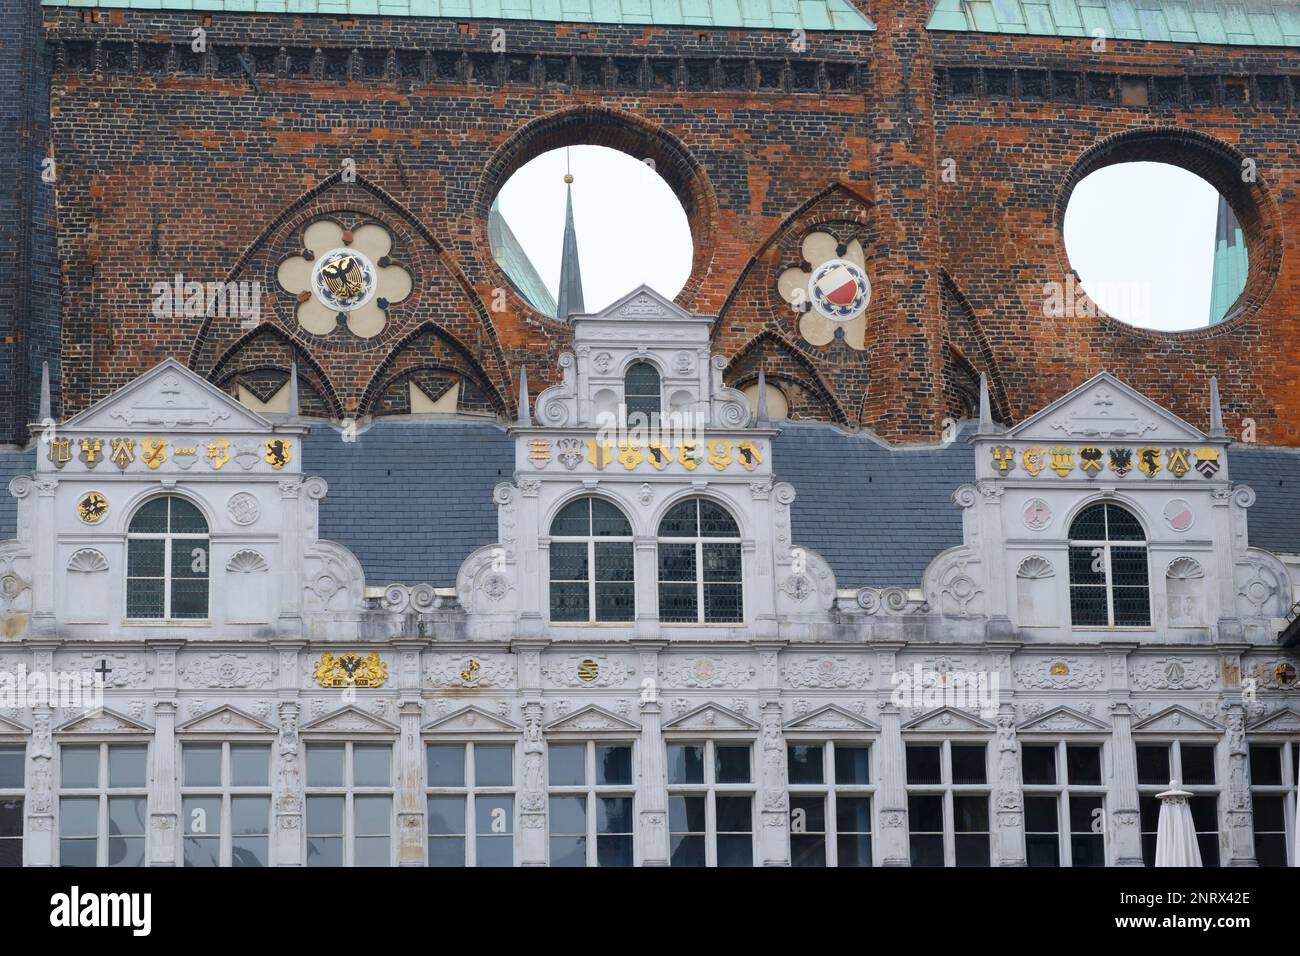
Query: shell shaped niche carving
[(88, 561), (1183, 569), (246, 562), (1034, 567)]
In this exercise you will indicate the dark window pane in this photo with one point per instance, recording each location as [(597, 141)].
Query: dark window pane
[(79, 767), (614, 815), (567, 765), (1088, 565), (186, 518), (972, 850), (144, 598), (1040, 815), (731, 764), (925, 813), (11, 819), (1270, 849), (852, 765), (685, 814), (734, 814), (128, 767), (568, 850), (569, 561), (716, 522), (250, 765), (681, 521), (493, 765), (686, 850), (722, 604), (1128, 566), (676, 562), (1153, 764), (808, 814), (1083, 764), (11, 768), (1042, 849), (1132, 607), (201, 765), (569, 816), (968, 764), (1208, 843), (678, 603), (1121, 525), (641, 388), (151, 518), (807, 849), (1090, 525), (923, 761), (1085, 816), (614, 850), (190, 558), (570, 602), (613, 765), (1266, 766), (574, 520), (853, 814), (1269, 815), (1149, 811), (190, 599), (145, 558), (446, 765), (854, 849), (1087, 849), (971, 814), (1038, 765), (1205, 814), (325, 765), (615, 602), (685, 763), (447, 817), (735, 850), (608, 521), (613, 560), (926, 850), (1198, 764), (805, 763), (1088, 607), (721, 561)]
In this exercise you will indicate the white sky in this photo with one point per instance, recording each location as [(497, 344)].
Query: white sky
[(1141, 238), (1140, 235), (631, 228)]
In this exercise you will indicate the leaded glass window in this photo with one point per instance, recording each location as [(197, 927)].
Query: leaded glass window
[(641, 393), (591, 563), (1108, 569), (700, 565), (167, 562)]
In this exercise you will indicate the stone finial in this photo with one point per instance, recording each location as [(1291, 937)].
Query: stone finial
[(761, 419), (45, 413), (1216, 411), (294, 410), (523, 419), (986, 409)]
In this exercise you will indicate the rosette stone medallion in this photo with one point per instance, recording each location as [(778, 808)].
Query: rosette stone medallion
[(344, 277), (830, 289)]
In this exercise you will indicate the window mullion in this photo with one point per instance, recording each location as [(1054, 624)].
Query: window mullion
[(167, 578), (591, 579), (1110, 586), (699, 582)]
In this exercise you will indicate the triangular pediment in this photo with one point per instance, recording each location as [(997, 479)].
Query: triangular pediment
[(948, 720), (592, 719), (226, 720), (168, 396), (645, 304), (351, 720), (9, 727), (711, 717), (1062, 719), (1176, 719), (103, 722), (1285, 721), (472, 720), (1105, 409), (831, 717)]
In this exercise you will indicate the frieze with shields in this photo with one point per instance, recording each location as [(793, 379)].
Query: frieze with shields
[(1092, 460), (721, 454), (155, 451)]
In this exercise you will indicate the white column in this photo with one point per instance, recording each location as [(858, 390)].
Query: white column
[(1009, 805), (532, 794), (288, 791), (1240, 809), (652, 791), (1124, 829), (891, 795), (163, 816), (410, 792), (774, 841), (38, 836)]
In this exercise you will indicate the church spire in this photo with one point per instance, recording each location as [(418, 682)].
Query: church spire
[(570, 297)]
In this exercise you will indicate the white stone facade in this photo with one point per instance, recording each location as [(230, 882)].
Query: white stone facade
[(811, 662)]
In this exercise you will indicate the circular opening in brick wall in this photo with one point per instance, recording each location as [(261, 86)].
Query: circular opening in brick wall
[(644, 209), (628, 228), (1165, 230)]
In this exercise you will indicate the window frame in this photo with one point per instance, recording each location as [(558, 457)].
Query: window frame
[(830, 789), (710, 789), (349, 791), (659, 381), (949, 791), (103, 792), (699, 541), (591, 540), (593, 791), (1109, 587), (1174, 743), (1288, 789), (470, 790), (224, 791), (1063, 790), (18, 793), (168, 580)]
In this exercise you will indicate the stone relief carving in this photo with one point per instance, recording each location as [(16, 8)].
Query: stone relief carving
[(247, 562), (882, 600), (335, 580), (1185, 592), (1263, 586), (1173, 673), (229, 671), (705, 671), (470, 670), (1061, 673), (564, 671), (953, 583), (839, 671), (85, 561)]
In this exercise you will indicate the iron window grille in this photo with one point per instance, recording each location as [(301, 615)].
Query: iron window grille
[(167, 555), (1109, 581), (700, 565), (591, 558)]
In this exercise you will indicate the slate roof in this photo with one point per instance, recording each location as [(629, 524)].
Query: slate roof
[(815, 15), (1239, 23), (412, 499)]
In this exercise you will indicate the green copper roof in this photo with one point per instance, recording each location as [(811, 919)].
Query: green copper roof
[(1243, 23), (825, 15), (1231, 263), (514, 262)]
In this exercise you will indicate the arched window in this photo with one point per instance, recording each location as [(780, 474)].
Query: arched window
[(591, 563), (1108, 569), (641, 392), (699, 565), (167, 562)]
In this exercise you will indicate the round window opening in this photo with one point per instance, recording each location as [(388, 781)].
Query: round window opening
[(1153, 245), (578, 228)]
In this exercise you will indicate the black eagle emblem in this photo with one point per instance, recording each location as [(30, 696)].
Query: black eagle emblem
[(344, 277)]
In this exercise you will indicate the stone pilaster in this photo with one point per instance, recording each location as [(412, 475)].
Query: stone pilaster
[(891, 795), (287, 789), (410, 789), (38, 841), (163, 813), (1124, 827), (1008, 798), (532, 794), (1240, 810), (774, 806), (653, 822)]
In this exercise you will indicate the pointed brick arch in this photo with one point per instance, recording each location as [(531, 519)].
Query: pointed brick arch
[(267, 349), (434, 351), (967, 351), (784, 365)]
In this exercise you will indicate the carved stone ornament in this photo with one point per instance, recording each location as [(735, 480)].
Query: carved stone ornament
[(350, 670), (839, 671), (229, 671), (576, 671), (705, 671), (472, 670), (1063, 673), (1173, 673)]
